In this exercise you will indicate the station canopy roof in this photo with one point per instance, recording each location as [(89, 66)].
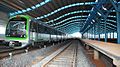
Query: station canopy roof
[(68, 16)]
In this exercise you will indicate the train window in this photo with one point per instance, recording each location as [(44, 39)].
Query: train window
[(16, 29), (45, 30), (31, 27), (41, 29), (50, 31)]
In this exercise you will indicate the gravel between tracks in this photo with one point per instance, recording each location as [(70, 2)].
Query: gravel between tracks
[(82, 58), (73, 56), (26, 59)]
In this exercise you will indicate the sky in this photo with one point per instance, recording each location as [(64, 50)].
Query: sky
[(77, 34)]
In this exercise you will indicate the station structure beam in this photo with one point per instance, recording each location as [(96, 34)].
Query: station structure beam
[(106, 35), (113, 34), (94, 31), (117, 8), (98, 31), (118, 25)]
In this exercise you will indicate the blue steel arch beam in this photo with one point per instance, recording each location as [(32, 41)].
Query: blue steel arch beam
[(109, 24), (30, 8), (102, 22), (67, 14), (71, 26), (88, 20), (70, 18), (70, 13), (73, 29), (103, 12), (108, 30), (77, 24), (74, 12), (110, 20), (115, 4), (65, 7), (86, 17), (72, 21), (90, 26), (82, 19), (70, 29), (93, 13)]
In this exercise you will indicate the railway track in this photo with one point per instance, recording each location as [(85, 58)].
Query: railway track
[(67, 54), (32, 57), (70, 55), (4, 54), (67, 58)]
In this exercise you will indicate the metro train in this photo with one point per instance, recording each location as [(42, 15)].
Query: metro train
[(22, 31)]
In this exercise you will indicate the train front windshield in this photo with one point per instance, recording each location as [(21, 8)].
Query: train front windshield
[(16, 29)]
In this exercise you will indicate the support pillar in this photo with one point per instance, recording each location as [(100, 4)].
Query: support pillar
[(106, 35), (99, 37), (87, 47), (113, 34), (82, 36), (110, 35), (116, 62), (98, 25), (91, 33), (94, 31), (96, 55), (118, 26), (87, 35)]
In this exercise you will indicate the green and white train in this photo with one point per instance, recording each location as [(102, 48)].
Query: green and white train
[(22, 31)]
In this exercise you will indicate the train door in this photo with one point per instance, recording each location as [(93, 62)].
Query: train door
[(33, 31)]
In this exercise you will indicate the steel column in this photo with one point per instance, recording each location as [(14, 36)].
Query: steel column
[(106, 35), (99, 37), (110, 35), (94, 31), (82, 36), (113, 34), (98, 32), (118, 27), (87, 34)]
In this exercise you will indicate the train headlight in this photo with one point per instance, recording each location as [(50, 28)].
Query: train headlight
[(24, 35), (11, 44)]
